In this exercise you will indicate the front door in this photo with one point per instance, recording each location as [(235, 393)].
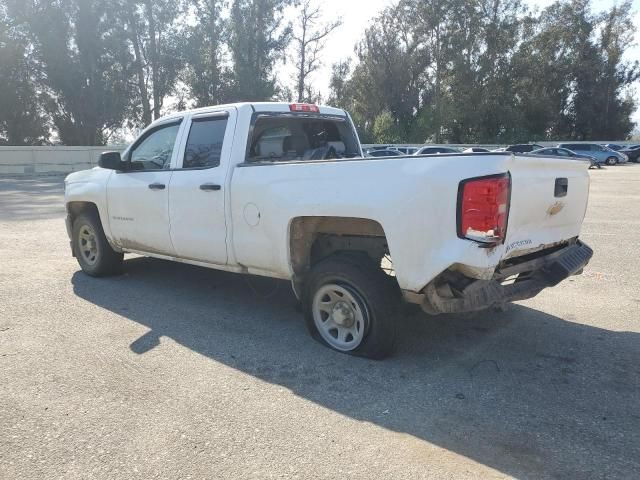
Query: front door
[(138, 198), (198, 189)]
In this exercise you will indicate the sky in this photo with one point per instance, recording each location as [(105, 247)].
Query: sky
[(358, 14)]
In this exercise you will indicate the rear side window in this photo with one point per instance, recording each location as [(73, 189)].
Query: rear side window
[(204, 144)]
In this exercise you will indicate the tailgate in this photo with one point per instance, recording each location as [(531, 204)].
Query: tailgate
[(548, 202)]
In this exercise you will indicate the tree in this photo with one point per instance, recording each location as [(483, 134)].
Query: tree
[(339, 94), (258, 36), (614, 104), (385, 129), (490, 71), (80, 49), (22, 119), (309, 38), (390, 74), (154, 30), (579, 89), (206, 76), (430, 35)]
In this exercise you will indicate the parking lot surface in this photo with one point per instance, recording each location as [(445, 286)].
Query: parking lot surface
[(172, 371)]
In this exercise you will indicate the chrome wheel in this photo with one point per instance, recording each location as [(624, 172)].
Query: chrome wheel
[(340, 316), (88, 244)]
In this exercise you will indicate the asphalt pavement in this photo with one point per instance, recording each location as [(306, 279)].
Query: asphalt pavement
[(172, 371)]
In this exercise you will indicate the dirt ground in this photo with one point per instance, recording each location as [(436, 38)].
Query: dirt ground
[(172, 371)]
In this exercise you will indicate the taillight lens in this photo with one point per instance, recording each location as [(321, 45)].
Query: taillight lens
[(304, 107), (483, 208)]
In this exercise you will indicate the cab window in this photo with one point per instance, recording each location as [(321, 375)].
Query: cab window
[(204, 144), (154, 150), (280, 138)]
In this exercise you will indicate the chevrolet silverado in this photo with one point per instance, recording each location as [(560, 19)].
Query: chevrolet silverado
[(284, 191)]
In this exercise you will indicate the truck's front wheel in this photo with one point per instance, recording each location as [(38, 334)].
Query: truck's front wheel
[(350, 306), (92, 249)]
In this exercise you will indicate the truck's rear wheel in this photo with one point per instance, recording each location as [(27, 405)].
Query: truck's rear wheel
[(350, 306), (92, 249)]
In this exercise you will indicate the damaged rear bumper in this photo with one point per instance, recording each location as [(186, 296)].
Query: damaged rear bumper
[(451, 292)]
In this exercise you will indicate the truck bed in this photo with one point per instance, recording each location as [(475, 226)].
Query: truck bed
[(422, 241)]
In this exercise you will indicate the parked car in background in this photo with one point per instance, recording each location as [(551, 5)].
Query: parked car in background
[(434, 150), (406, 150), (565, 152), (614, 146), (600, 153), (379, 147), (520, 148), (476, 150), (633, 153), (383, 153)]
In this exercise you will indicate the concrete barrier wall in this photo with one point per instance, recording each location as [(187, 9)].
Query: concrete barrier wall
[(50, 160), (61, 160)]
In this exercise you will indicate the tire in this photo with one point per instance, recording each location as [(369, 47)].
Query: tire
[(612, 161), (92, 249), (363, 301)]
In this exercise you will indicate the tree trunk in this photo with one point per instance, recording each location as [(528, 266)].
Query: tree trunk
[(436, 100), (301, 79), (142, 85), (153, 58), (212, 94)]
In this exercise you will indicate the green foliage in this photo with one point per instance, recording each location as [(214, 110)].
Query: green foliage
[(78, 71), (157, 41), (492, 72), (22, 119), (206, 75), (83, 59), (385, 129), (258, 36)]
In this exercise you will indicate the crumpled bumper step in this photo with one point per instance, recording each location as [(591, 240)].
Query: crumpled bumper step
[(569, 263), (485, 294)]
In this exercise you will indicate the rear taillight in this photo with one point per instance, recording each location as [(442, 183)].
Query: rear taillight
[(483, 208), (304, 107)]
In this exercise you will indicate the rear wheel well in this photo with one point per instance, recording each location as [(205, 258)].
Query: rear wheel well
[(313, 239)]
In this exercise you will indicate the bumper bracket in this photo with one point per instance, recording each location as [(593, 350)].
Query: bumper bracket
[(482, 294)]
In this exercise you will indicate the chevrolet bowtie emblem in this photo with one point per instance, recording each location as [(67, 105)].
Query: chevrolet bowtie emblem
[(555, 208)]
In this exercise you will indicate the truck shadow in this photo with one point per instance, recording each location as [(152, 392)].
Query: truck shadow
[(527, 393)]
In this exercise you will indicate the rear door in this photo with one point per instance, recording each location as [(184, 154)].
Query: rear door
[(138, 198), (548, 202), (197, 192)]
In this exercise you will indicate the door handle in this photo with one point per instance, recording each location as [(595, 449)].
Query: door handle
[(210, 187), (157, 186)]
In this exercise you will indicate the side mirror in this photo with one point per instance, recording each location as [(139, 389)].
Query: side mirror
[(110, 160)]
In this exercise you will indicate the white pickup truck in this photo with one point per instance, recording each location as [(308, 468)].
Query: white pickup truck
[(282, 190)]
